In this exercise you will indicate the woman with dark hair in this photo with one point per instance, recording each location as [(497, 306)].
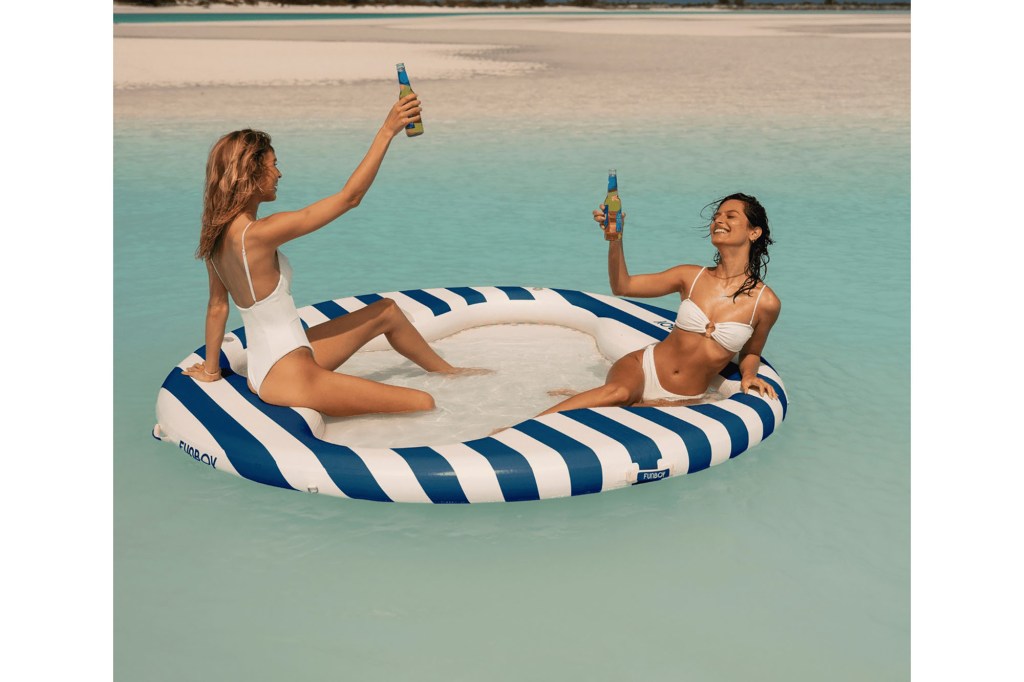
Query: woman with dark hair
[(726, 309), (288, 365)]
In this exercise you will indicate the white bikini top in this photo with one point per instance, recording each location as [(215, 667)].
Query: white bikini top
[(729, 335)]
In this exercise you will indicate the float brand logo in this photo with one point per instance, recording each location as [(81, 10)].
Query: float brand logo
[(648, 476), (196, 455)]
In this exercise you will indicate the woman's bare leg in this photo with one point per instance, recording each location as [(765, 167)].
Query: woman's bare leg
[(335, 341), (297, 381), (624, 385)]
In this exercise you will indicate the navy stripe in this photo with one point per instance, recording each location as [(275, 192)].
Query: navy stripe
[(763, 409), (247, 455), (641, 448), (731, 372), (601, 309), (346, 468), (779, 392), (240, 333), (436, 305), (660, 312), (435, 474), (738, 433), (369, 298), (472, 296), (585, 473), (224, 362), (330, 309), (698, 445), (515, 476), (517, 293)]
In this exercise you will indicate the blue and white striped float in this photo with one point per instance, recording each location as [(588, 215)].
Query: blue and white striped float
[(222, 424)]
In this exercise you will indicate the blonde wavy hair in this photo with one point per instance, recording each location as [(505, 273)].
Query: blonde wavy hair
[(233, 171)]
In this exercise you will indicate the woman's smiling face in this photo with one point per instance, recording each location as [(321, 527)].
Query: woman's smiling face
[(730, 225)]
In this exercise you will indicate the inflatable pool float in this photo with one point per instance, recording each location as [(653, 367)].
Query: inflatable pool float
[(223, 425)]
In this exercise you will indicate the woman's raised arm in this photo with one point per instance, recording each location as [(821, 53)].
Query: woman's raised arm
[(644, 286), (287, 225)]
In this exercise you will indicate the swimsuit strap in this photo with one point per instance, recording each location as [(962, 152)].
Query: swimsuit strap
[(246, 263), (216, 270), (763, 287), (689, 295)]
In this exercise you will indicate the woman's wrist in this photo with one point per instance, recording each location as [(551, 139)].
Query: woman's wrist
[(208, 373)]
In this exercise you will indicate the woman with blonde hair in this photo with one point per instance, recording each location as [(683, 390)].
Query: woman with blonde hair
[(288, 365)]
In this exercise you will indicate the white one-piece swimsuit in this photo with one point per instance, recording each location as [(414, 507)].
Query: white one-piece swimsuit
[(272, 326)]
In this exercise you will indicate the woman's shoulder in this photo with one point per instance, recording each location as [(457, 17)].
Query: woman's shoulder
[(687, 270), (769, 300)]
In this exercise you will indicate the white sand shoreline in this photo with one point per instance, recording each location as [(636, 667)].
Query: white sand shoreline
[(270, 8), (525, 67), (303, 52)]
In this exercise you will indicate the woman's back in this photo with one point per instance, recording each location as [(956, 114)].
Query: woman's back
[(249, 267)]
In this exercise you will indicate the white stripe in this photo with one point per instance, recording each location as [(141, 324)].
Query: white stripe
[(549, 467), (299, 466), (189, 361), (670, 444), (350, 303), (238, 361), (636, 311), (547, 296), (475, 473), (718, 435), (312, 317), (616, 464), (755, 429), (493, 294), (181, 425), (393, 474)]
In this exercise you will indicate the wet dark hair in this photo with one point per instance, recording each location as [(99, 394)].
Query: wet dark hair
[(757, 267)]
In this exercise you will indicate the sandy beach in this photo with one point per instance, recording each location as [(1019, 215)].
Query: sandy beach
[(703, 65)]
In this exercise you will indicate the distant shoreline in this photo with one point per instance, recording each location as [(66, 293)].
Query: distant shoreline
[(347, 6)]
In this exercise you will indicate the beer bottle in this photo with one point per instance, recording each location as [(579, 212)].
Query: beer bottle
[(612, 209), (416, 128)]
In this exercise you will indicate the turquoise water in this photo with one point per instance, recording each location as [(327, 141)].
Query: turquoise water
[(790, 563)]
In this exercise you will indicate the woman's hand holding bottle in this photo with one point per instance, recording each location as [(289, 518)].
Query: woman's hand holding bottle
[(600, 219), (405, 111)]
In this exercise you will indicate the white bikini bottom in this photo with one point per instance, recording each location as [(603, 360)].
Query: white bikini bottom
[(652, 387)]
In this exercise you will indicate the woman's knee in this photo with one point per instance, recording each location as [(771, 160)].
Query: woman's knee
[(386, 313), (384, 307), (422, 401)]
